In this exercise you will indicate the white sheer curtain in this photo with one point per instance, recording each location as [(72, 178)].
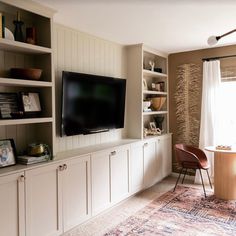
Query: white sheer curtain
[(210, 113)]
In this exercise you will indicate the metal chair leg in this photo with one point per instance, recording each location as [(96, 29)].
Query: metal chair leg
[(209, 178), (178, 179), (202, 183), (184, 175)]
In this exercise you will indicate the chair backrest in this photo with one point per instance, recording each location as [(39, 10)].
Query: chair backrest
[(190, 157)]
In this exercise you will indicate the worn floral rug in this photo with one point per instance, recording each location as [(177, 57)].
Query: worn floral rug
[(184, 212)]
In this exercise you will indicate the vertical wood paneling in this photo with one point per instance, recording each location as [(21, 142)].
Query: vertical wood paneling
[(80, 52)]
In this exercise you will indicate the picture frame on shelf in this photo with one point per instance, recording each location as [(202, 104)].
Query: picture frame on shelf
[(9, 105), (31, 104), (7, 153)]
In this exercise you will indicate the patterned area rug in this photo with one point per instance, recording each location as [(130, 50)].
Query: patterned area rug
[(184, 212)]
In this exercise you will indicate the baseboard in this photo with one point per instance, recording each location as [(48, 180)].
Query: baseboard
[(189, 177)]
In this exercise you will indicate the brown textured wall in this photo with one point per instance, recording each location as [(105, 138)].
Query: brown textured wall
[(195, 57)]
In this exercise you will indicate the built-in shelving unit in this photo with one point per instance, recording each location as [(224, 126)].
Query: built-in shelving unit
[(144, 84), (14, 54)]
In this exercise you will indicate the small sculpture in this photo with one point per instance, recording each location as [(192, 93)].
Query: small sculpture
[(152, 64)]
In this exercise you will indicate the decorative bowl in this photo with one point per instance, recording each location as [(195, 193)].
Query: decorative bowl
[(26, 73), (158, 102)]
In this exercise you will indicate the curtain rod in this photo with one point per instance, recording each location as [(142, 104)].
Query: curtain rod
[(216, 58)]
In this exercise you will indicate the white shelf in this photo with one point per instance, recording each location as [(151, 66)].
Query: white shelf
[(154, 92), (24, 83), (153, 74), (10, 45), (154, 113), (26, 121)]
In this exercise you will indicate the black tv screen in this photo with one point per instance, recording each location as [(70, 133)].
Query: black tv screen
[(91, 103)]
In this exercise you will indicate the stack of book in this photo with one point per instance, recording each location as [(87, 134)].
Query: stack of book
[(26, 160)]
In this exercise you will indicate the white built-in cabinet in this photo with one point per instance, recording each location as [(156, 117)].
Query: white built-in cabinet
[(109, 177), (100, 177), (136, 167), (119, 162), (57, 197), (43, 190), (76, 191), (12, 208), (150, 162), (51, 198)]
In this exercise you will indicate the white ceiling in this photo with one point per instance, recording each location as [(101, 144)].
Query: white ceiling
[(167, 25)]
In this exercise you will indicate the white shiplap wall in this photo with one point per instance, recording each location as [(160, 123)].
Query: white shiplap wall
[(79, 52)]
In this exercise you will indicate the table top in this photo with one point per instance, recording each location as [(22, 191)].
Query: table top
[(213, 149)]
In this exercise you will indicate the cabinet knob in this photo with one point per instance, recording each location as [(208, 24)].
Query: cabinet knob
[(60, 168), (145, 144), (64, 166), (113, 153), (22, 178)]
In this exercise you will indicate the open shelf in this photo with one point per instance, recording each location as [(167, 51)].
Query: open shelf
[(154, 92), (15, 46), (26, 121), (153, 74), (146, 113), (24, 83)]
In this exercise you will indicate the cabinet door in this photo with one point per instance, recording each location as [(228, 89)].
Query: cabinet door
[(100, 178), (119, 159), (76, 191), (159, 156), (12, 217), (43, 201), (136, 167), (150, 162), (166, 155)]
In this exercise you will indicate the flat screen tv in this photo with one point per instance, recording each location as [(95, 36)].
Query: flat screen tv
[(91, 103)]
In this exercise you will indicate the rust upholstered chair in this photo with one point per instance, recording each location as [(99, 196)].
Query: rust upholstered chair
[(189, 157)]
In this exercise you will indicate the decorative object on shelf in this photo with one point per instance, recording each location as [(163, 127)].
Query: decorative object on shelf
[(159, 121), (30, 35), (187, 96), (9, 105), (152, 65), (157, 103), (160, 86), (147, 132), (152, 125), (31, 104), (159, 70), (38, 149), (26, 73), (7, 152), (36, 152), (8, 34), (18, 33), (145, 87), (146, 106)]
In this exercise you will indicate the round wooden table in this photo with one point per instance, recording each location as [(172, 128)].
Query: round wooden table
[(224, 173)]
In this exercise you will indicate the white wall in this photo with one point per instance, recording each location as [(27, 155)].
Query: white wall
[(79, 52)]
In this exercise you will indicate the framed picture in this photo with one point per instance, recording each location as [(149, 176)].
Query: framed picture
[(152, 125), (145, 87), (31, 103), (7, 152), (9, 104)]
